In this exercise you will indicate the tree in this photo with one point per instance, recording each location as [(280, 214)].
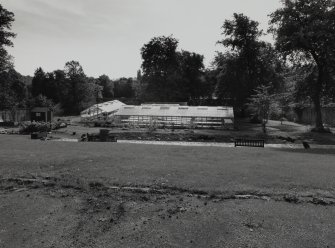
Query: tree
[(211, 81), (123, 87), (242, 34), (62, 87), (261, 104), (248, 64), (171, 75), (6, 20), (41, 101), (80, 92), (38, 82), (107, 87), (13, 91), (232, 88), (304, 30), (45, 84), (284, 102), (191, 76), (159, 67), (5, 60), (69, 87)]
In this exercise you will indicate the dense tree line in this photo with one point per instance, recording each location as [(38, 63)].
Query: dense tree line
[(69, 87), (299, 67), (74, 91)]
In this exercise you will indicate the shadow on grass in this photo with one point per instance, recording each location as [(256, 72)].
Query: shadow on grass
[(324, 151)]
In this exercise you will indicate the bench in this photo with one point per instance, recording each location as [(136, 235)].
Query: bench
[(99, 138), (249, 142)]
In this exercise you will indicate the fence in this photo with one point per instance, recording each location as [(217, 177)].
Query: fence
[(18, 116), (307, 116)]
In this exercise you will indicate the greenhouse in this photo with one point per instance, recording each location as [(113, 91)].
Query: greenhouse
[(101, 110), (175, 116)]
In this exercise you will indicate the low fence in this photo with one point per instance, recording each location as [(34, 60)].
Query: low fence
[(307, 115), (19, 115)]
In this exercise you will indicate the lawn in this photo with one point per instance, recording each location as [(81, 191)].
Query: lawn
[(62, 194)]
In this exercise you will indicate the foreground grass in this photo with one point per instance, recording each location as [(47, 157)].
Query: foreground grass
[(205, 168), (74, 205)]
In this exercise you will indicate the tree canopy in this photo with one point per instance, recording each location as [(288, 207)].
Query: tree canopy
[(107, 87), (12, 88), (171, 75), (6, 36), (247, 64), (69, 87), (261, 104), (159, 66), (304, 30)]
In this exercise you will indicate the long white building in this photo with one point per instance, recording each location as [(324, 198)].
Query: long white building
[(172, 115), (161, 115)]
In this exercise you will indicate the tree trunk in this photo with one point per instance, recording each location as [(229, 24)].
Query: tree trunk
[(318, 114), (317, 102), (317, 92), (264, 127)]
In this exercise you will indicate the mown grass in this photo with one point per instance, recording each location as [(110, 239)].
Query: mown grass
[(198, 168)]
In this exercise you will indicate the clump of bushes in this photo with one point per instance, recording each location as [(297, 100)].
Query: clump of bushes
[(152, 127), (32, 127)]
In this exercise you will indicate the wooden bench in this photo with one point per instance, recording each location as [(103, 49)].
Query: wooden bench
[(98, 138), (249, 142)]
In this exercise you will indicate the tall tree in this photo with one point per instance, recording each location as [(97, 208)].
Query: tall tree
[(81, 92), (304, 29), (191, 76), (247, 64), (12, 88), (6, 20), (171, 75), (242, 35), (107, 87), (13, 91), (63, 86), (38, 82), (123, 87), (159, 68)]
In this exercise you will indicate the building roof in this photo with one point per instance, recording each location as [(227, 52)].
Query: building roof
[(102, 108), (176, 111), (40, 109)]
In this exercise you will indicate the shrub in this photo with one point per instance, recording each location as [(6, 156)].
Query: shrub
[(31, 127)]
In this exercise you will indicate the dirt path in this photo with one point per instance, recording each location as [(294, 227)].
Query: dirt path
[(68, 212)]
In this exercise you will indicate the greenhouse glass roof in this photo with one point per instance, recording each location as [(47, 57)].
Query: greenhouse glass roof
[(106, 107), (176, 111)]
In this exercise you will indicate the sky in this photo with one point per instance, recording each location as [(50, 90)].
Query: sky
[(106, 36)]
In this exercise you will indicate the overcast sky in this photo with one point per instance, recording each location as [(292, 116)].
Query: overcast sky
[(106, 36)]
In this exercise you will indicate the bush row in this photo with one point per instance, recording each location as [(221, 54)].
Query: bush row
[(31, 127)]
